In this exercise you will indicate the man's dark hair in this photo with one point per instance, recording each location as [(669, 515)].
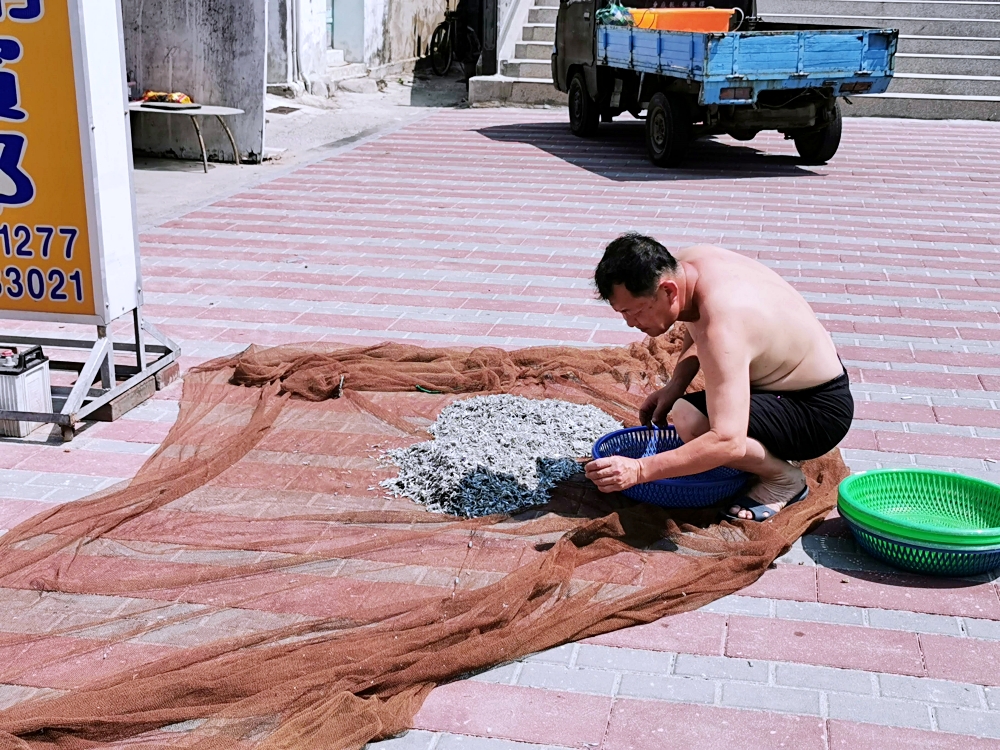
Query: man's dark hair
[(635, 261)]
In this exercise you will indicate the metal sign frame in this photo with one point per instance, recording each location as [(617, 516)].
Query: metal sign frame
[(112, 228)]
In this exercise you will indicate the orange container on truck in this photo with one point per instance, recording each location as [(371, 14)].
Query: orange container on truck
[(687, 19)]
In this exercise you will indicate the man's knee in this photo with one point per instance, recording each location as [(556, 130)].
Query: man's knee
[(688, 421)]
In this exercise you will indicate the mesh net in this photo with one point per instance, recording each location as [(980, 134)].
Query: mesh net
[(254, 588)]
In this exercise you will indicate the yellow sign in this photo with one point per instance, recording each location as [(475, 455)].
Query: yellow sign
[(45, 248)]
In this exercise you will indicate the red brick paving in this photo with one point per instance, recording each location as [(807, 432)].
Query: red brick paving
[(909, 593), (961, 660), (516, 713), (688, 633), (645, 725), (841, 646), (846, 735)]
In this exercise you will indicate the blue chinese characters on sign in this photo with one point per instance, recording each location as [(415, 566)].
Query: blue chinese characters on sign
[(10, 93), (21, 10), (16, 186)]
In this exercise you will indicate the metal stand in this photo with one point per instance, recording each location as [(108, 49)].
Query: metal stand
[(85, 397), (201, 140)]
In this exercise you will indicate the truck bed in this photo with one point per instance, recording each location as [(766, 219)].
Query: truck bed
[(735, 67)]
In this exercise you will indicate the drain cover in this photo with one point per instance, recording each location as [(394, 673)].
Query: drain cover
[(282, 110)]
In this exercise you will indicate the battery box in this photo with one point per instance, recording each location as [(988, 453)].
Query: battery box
[(25, 385)]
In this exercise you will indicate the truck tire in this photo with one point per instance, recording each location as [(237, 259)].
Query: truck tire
[(584, 117), (819, 146), (668, 130)]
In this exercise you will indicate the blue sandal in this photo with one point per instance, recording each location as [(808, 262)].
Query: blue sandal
[(759, 511)]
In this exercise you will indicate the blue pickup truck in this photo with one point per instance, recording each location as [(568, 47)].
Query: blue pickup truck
[(758, 76)]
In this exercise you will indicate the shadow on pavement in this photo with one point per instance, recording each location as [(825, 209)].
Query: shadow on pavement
[(156, 164), (432, 90), (619, 153), (832, 546)]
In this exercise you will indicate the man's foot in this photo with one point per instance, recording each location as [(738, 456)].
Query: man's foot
[(769, 496)]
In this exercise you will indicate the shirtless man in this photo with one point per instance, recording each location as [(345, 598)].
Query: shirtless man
[(775, 390)]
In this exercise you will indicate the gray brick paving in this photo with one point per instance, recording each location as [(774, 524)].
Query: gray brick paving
[(893, 713), (950, 463), (721, 667), (768, 698), (925, 690), (413, 739), (114, 446), (915, 622), (922, 428), (660, 687), (11, 695), (824, 678), (797, 555), (624, 659), (574, 680), (993, 698), (987, 629), (817, 612), (504, 675), (559, 655), (25, 491), (155, 411), (740, 605), (71, 481), (962, 721)]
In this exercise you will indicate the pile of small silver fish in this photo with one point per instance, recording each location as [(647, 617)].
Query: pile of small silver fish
[(497, 454)]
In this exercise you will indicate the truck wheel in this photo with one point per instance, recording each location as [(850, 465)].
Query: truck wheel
[(584, 117), (819, 146), (668, 130)]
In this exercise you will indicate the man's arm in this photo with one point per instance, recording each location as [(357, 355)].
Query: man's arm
[(725, 360), (656, 407), (686, 368)]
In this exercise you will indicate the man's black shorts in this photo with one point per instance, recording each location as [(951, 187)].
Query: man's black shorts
[(797, 425)]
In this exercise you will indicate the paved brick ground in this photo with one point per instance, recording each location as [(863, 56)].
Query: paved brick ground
[(477, 227)]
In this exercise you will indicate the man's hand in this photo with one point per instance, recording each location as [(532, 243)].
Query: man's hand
[(614, 474), (656, 407)]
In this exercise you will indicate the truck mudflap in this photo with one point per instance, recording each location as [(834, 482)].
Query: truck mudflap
[(735, 67)]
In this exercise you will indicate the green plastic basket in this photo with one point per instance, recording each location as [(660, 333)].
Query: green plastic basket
[(923, 520)]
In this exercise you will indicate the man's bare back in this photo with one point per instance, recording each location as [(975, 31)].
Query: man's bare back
[(775, 390), (789, 348)]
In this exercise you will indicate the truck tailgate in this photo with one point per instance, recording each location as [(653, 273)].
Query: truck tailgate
[(735, 67)]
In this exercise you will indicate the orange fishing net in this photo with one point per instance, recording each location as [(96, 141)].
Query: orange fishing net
[(254, 584)]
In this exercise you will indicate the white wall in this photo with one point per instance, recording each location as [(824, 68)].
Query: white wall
[(214, 50), (278, 33), (311, 35), (379, 32), (396, 27)]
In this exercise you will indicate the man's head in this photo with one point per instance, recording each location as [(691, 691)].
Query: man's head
[(638, 276)]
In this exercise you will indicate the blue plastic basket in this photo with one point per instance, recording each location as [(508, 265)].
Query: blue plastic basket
[(695, 491)]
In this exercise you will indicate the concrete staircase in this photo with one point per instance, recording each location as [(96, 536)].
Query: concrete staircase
[(948, 60), (526, 77)]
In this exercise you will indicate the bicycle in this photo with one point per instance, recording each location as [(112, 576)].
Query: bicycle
[(447, 44)]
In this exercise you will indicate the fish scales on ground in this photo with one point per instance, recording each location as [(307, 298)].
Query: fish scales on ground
[(497, 454)]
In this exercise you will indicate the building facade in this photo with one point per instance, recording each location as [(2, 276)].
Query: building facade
[(314, 43)]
